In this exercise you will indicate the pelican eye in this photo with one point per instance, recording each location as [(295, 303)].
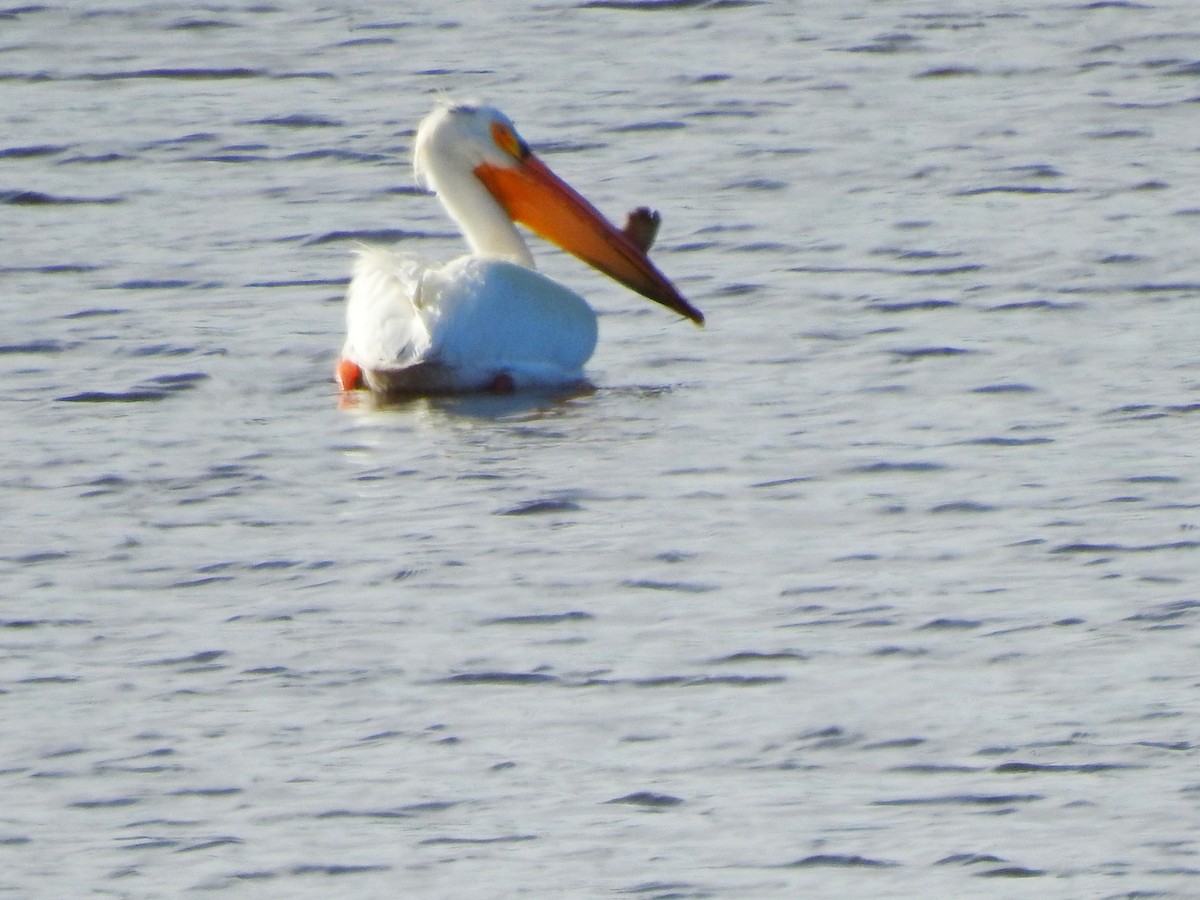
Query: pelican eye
[(506, 139)]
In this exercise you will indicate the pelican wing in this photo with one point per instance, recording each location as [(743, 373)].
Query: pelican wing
[(488, 316), (385, 323)]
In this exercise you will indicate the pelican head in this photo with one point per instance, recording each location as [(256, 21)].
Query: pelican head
[(460, 149), (460, 135)]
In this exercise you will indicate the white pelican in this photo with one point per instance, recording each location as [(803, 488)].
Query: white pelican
[(489, 321)]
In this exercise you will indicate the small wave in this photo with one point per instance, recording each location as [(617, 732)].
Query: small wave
[(757, 184), (27, 77), (696, 681), (162, 350), (374, 236), (738, 289), (136, 396), (1004, 388), (541, 507), (563, 146), (1024, 768), (38, 198), (635, 127), (962, 800), (928, 352), (948, 72), (337, 869), (192, 138), (1085, 547), (36, 346), (1013, 189), (784, 482), (667, 5), (201, 658), (543, 619), (950, 625), (17, 11), (1012, 872), (682, 587), (175, 74), (94, 313), (921, 271), (757, 656), (207, 792), (504, 678), (840, 861), (888, 467), (401, 812), (154, 284), (889, 43), (210, 844), (43, 556), (95, 159), (199, 24), (33, 152), (648, 799), (182, 381), (1049, 305), (1008, 442), (229, 158), (962, 506), (298, 120), (1119, 134), (335, 154), (54, 269), (967, 859), (501, 839), (915, 306), (366, 42), (106, 803), (303, 282), (1166, 287), (43, 623), (440, 72)]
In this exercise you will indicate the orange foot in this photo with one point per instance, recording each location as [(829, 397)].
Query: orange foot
[(348, 375)]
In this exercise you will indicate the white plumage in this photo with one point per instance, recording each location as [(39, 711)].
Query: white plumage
[(415, 329)]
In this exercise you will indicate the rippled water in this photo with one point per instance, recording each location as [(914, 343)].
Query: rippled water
[(884, 584)]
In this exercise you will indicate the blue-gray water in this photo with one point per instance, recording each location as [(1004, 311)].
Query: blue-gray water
[(882, 585)]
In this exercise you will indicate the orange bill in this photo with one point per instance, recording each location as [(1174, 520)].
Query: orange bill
[(537, 198)]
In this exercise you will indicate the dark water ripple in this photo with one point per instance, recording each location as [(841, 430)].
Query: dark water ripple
[(33, 152), (38, 198), (134, 396), (839, 861)]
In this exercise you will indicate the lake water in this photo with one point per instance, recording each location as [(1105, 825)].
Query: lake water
[(884, 584)]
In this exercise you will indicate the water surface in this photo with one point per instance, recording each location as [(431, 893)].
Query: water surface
[(883, 584)]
